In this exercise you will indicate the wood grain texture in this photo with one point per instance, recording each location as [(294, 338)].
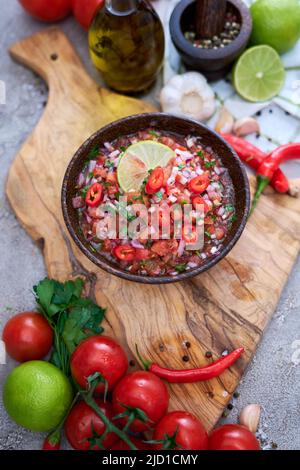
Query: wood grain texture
[(227, 307)]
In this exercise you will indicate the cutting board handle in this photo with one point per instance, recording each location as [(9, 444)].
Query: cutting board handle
[(50, 54)]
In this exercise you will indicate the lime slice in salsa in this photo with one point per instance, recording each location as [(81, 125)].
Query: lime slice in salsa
[(138, 159)]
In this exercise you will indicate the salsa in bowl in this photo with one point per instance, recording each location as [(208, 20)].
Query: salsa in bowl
[(155, 198)]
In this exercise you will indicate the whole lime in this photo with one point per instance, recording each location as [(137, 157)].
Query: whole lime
[(276, 23), (37, 395)]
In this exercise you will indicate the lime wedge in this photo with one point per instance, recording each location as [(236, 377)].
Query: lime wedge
[(258, 74), (138, 159)]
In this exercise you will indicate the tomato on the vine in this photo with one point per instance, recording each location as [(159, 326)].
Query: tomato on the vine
[(83, 423), (144, 391), (98, 354), (27, 336), (139, 444), (233, 437), (46, 10), (181, 430), (84, 10)]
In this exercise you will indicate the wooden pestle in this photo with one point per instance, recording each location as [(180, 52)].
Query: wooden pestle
[(210, 17)]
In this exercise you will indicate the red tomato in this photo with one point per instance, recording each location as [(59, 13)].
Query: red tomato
[(142, 253), (189, 234), (199, 184), (46, 10), (233, 437), (198, 200), (164, 247), (81, 422), (94, 195), (27, 336), (143, 390), (155, 181), (139, 444), (124, 252), (190, 432), (84, 10), (98, 354)]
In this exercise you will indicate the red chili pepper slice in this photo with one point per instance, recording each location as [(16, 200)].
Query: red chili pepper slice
[(193, 375), (155, 181), (197, 201), (124, 252), (199, 184), (94, 195)]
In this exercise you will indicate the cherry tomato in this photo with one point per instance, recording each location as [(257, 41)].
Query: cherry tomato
[(232, 437), (155, 181), (27, 336), (82, 421), (189, 234), (46, 10), (124, 252), (142, 253), (189, 432), (143, 390), (98, 354), (84, 11), (198, 200), (199, 184), (94, 195), (139, 444)]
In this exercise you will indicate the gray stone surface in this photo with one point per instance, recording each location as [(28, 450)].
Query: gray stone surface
[(273, 378)]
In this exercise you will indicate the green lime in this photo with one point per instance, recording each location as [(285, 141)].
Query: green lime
[(258, 74), (276, 23), (138, 159), (37, 395)]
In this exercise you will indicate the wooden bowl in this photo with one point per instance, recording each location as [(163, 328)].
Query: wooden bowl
[(213, 63), (165, 122)]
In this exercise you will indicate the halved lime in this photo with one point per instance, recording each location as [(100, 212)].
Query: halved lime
[(258, 74), (138, 159)]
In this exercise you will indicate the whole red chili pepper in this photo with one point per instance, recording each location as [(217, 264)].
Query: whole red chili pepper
[(253, 156), (193, 375), (52, 441), (270, 164)]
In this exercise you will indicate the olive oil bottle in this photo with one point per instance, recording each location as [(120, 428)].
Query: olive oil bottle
[(126, 41)]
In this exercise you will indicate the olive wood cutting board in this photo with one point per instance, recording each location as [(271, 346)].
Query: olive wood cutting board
[(227, 307)]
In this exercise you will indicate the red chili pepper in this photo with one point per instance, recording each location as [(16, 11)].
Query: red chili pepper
[(52, 442), (124, 252), (199, 184), (253, 156), (94, 195), (270, 164), (193, 375), (198, 200), (155, 181)]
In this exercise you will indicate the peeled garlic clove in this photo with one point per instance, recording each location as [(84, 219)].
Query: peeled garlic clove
[(188, 95), (225, 122), (246, 126), (250, 417), (294, 189)]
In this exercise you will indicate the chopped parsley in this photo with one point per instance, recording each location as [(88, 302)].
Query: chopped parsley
[(123, 149), (210, 164), (159, 195), (84, 191), (155, 134), (108, 164), (207, 234), (180, 268), (229, 207), (200, 154), (233, 218), (92, 154), (181, 166)]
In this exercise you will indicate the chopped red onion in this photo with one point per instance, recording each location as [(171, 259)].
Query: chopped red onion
[(181, 248), (78, 202), (136, 244), (81, 180), (108, 146)]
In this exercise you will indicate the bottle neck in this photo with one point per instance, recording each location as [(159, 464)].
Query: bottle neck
[(122, 7)]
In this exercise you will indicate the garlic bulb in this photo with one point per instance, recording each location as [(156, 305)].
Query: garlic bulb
[(188, 95)]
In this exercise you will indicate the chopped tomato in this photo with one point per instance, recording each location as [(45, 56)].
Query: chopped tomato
[(106, 245), (198, 200), (124, 252), (100, 172), (220, 233), (167, 141), (94, 195), (199, 184), (155, 181), (163, 247), (189, 234), (142, 253), (112, 178)]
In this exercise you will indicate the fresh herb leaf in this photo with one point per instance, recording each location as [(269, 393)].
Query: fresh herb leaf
[(207, 234), (159, 195), (109, 163), (229, 207), (200, 154), (180, 268), (181, 166), (84, 191), (92, 154), (233, 218), (155, 134), (138, 198), (210, 164), (123, 148)]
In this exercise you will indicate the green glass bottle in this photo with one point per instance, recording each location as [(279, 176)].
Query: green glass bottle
[(126, 41)]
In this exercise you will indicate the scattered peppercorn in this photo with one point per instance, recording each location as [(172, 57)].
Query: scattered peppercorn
[(208, 354), (132, 363), (230, 406), (185, 358), (161, 347), (236, 395)]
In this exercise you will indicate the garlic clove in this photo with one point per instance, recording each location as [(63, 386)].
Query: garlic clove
[(225, 122), (246, 126), (294, 189), (250, 417)]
